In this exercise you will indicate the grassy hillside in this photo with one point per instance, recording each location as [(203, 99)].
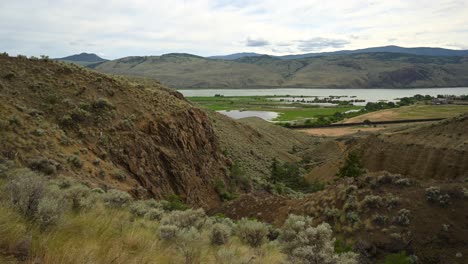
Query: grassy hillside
[(370, 70)]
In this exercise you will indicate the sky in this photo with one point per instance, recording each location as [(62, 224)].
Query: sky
[(117, 28)]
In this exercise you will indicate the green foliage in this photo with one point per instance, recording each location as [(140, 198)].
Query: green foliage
[(398, 258), (174, 202), (290, 175), (352, 167), (341, 246)]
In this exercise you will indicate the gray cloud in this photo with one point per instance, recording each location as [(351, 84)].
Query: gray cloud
[(252, 42), (316, 44)]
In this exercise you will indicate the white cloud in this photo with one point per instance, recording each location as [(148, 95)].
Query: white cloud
[(119, 28)]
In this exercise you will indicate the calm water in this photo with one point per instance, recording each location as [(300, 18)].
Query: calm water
[(370, 95), (236, 114)]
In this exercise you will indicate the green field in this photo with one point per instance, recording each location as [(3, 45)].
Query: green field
[(287, 111)]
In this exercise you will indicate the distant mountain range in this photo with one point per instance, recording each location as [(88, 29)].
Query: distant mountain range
[(380, 67), (83, 58), (365, 70), (393, 49)]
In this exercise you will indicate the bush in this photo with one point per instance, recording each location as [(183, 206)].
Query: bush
[(220, 234), (120, 176), (75, 161), (403, 217), (80, 197), (188, 244), (371, 201), (304, 243), (168, 232), (139, 208), (252, 232), (25, 190), (49, 212), (102, 104), (433, 195), (352, 167), (403, 182), (379, 219), (185, 219), (154, 214), (42, 165), (116, 199)]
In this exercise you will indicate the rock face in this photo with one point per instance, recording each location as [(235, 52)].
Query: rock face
[(108, 132), (179, 155)]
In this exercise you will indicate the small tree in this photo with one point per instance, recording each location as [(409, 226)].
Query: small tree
[(352, 167), (252, 232)]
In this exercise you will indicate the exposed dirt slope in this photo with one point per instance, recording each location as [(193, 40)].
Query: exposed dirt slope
[(437, 150), (66, 120), (253, 143)]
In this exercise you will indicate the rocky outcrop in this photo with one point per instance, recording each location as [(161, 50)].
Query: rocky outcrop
[(108, 132)]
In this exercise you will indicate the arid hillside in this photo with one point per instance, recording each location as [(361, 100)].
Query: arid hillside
[(368, 70), (65, 120)]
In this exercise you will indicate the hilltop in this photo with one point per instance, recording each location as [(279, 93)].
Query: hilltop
[(82, 58), (366, 70)]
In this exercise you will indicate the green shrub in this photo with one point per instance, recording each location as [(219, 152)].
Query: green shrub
[(251, 232), (398, 258), (116, 199), (352, 167), (102, 104), (174, 203), (220, 234)]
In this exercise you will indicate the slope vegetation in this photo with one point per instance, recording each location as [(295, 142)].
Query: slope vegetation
[(367, 70)]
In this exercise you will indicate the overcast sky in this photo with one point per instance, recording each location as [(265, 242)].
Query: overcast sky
[(117, 28)]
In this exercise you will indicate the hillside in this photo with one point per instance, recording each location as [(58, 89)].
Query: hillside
[(109, 133), (415, 173), (82, 58), (369, 70)]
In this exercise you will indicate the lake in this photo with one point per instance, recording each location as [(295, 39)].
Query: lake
[(236, 114), (370, 95)]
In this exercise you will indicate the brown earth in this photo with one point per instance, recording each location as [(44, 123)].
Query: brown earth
[(107, 132)]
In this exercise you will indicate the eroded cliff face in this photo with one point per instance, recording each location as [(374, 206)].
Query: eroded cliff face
[(108, 132), (179, 154), (437, 151)]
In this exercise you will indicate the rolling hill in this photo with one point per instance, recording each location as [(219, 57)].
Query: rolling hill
[(426, 51), (82, 58), (366, 70)]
